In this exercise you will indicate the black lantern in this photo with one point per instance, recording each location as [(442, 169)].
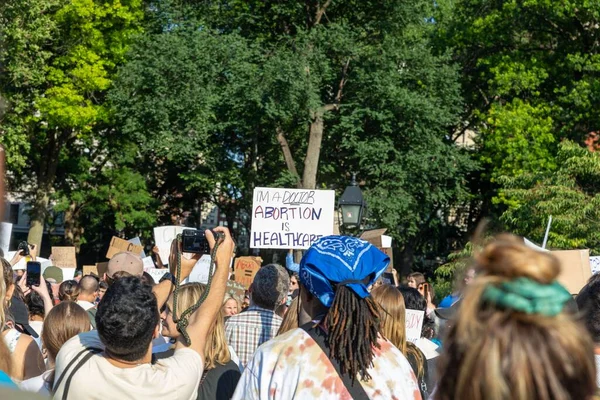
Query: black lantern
[(352, 205)]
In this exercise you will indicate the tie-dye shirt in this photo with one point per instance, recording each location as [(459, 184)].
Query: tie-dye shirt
[(293, 366)]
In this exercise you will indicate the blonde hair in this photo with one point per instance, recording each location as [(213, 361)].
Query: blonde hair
[(64, 321), (215, 349), (290, 320), (6, 280), (230, 296), (393, 322), (497, 353)]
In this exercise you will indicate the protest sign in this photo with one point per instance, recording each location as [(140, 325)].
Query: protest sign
[(236, 290), (5, 234), (68, 273), (290, 218), (163, 236), (90, 270), (102, 268), (118, 245), (414, 324), (245, 268), (201, 270), (148, 262), (575, 268), (595, 265), (22, 264), (157, 273), (64, 257), (136, 240), (383, 242)]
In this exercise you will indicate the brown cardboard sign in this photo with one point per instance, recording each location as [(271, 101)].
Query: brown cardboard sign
[(575, 268), (90, 270), (118, 245), (236, 290), (64, 257), (102, 268), (245, 268), (375, 238)]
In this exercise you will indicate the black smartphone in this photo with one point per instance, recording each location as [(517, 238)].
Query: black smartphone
[(194, 241), (387, 277), (34, 272)]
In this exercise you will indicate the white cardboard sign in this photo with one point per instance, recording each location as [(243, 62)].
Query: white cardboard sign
[(163, 236), (290, 218), (595, 264), (414, 324), (157, 273), (201, 269), (136, 240), (5, 234), (148, 262)]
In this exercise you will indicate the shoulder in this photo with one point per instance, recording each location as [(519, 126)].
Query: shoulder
[(184, 358), (75, 345), (283, 347)]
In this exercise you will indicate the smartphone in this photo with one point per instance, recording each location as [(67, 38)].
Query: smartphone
[(388, 278), (34, 272)]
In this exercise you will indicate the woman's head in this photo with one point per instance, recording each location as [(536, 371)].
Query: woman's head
[(512, 338), (415, 279), (231, 306), (392, 315), (68, 291), (293, 283), (215, 349), (63, 322)]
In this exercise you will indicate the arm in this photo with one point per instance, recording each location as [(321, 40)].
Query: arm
[(42, 290), (201, 321), (289, 262), (158, 260)]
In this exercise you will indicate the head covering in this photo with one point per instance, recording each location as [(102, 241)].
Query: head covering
[(19, 313), (125, 261), (344, 260), (53, 273), (447, 313)]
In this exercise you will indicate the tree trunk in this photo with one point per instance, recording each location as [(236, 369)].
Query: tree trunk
[(38, 215), (407, 257), (313, 152), (73, 230)]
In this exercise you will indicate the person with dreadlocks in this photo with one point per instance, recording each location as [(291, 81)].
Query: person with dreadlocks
[(337, 353)]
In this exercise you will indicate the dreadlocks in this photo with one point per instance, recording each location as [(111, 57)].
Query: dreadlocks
[(353, 324)]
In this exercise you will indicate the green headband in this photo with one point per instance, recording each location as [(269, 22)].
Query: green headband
[(528, 296)]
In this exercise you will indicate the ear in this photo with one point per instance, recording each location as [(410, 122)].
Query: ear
[(9, 291), (156, 333)]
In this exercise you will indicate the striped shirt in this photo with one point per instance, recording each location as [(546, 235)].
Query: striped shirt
[(248, 330)]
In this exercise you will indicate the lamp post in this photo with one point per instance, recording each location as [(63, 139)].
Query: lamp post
[(352, 205)]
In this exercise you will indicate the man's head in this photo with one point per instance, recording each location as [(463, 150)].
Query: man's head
[(270, 286), (88, 288), (127, 262), (588, 302), (337, 271), (127, 319)]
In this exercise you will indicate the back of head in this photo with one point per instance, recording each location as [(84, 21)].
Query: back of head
[(393, 315), (413, 300), (88, 285), (35, 303), (270, 286), (512, 338), (68, 290), (126, 319), (215, 349), (125, 261), (64, 321), (588, 302)]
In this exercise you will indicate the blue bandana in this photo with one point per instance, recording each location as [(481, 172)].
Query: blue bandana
[(340, 259)]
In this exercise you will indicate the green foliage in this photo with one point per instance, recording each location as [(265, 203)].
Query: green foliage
[(571, 194)]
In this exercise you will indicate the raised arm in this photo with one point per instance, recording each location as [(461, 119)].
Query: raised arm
[(201, 321)]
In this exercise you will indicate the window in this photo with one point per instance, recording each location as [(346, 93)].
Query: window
[(13, 216)]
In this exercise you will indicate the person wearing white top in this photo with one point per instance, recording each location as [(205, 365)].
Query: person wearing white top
[(88, 291)]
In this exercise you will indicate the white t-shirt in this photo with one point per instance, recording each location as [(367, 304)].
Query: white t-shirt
[(86, 305), (37, 384), (172, 378), (293, 366)]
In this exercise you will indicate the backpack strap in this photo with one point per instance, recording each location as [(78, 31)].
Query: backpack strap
[(354, 388), (91, 351)]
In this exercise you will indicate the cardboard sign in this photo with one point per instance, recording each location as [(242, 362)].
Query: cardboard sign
[(383, 242), (157, 273), (102, 268), (290, 218), (5, 235), (118, 245), (90, 270), (22, 264), (236, 290), (414, 324), (201, 270), (245, 268), (595, 265), (148, 262), (136, 240), (163, 236), (68, 273), (575, 268), (64, 257)]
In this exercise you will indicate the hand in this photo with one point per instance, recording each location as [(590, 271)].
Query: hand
[(226, 247), (16, 258), (155, 250), (42, 289), (33, 251), (23, 284), (187, 265)]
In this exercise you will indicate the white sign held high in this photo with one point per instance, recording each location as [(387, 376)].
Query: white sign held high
[(414, 325), (5, 234), (163, 236), (290, 218), (201, 269)]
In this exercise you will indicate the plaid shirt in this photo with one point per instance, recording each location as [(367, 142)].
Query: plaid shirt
[(248, 330)]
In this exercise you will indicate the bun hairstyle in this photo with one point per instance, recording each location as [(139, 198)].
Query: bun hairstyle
[(512, 338)]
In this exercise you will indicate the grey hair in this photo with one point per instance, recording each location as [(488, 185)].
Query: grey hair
[(270, 286)]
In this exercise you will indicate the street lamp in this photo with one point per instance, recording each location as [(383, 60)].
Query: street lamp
[(352, 205)]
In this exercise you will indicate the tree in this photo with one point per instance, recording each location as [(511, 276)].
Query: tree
[(571, 194), (57, 60)]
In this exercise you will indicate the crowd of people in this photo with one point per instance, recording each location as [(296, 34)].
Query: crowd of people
[(328, 327)]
